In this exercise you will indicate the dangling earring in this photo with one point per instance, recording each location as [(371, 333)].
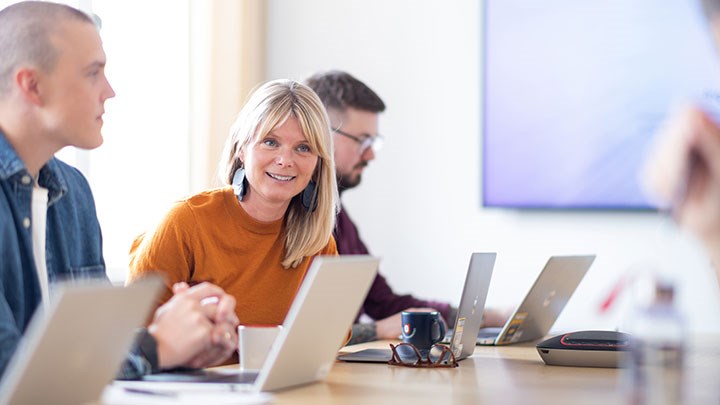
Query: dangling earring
[(309, 197), (238, 183)]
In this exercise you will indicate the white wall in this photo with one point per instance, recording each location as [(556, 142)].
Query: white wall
[(419, 204)]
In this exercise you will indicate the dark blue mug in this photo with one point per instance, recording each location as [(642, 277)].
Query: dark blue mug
[(422, 329)]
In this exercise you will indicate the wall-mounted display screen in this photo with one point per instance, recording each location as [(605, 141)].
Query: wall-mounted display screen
[(573, 92)]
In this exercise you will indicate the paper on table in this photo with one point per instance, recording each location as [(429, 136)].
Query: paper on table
[(150, 393)]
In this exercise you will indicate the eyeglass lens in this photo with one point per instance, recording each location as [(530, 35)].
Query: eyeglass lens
[(365, 141), (437, 355), (374, 142)]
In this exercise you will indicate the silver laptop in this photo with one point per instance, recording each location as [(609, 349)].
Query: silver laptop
[(316, 326), (469, 318), (70, 353), (542, 304)]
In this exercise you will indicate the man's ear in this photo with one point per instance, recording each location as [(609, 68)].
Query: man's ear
[(28, 82)]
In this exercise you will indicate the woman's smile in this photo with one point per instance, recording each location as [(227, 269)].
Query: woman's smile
[(280, 177)]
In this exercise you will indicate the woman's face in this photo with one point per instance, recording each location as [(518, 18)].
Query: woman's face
[(277, 167)]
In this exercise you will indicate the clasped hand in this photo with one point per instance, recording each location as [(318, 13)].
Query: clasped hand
[(196, 328)]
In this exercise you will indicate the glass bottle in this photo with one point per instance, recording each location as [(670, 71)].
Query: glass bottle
[(657, 351)]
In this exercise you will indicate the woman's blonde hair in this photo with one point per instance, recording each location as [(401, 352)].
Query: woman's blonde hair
[(269, 106)]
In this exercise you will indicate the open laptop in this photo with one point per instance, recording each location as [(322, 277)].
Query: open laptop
[(469, 318), (71, 352), (315, 327), (542, 304)]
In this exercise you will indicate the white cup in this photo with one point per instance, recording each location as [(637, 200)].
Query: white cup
[(254, 344)]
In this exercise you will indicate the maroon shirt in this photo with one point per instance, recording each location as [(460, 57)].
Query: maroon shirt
[(381, 301)]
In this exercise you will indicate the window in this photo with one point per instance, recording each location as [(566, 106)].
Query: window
[(143, 165)]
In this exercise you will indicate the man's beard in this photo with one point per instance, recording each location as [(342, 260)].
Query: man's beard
[(346, 183)]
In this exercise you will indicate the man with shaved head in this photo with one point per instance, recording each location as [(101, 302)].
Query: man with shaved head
[(52, 94)]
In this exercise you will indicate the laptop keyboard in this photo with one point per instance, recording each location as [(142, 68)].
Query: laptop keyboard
[(202, 376)]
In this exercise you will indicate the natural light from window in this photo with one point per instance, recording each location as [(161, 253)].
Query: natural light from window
[(142, 167)]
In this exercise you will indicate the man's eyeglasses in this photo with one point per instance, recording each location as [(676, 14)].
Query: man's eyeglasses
[(365, 141), (406, 354)]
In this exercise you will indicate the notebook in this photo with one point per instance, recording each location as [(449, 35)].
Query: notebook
[(542, 304), (469, 318), (315, 327), (71, 352)]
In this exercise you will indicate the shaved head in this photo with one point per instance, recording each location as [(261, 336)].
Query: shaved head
[(26, 31)]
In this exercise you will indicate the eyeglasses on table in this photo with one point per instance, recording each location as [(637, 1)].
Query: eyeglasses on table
[(406, 354)]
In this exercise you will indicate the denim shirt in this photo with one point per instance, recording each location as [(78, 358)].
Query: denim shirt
[(73, 240)]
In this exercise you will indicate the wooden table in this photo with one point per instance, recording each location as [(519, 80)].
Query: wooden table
[(496, 375)]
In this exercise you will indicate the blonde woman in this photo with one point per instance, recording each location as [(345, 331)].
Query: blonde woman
[(256, 236)]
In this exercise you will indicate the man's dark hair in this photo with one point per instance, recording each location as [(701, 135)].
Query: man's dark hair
[(339, 91)]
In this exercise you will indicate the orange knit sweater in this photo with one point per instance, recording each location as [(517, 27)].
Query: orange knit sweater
[(209, 237)]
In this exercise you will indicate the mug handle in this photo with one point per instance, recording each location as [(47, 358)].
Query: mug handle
[(441, 327)]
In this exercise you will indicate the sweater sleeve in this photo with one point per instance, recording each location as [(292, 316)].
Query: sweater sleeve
[(382, 301), (167, 250)]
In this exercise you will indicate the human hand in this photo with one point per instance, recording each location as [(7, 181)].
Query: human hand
[(196, 327), (391, 327), (493, 317), (221, 311), (683, 171)]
